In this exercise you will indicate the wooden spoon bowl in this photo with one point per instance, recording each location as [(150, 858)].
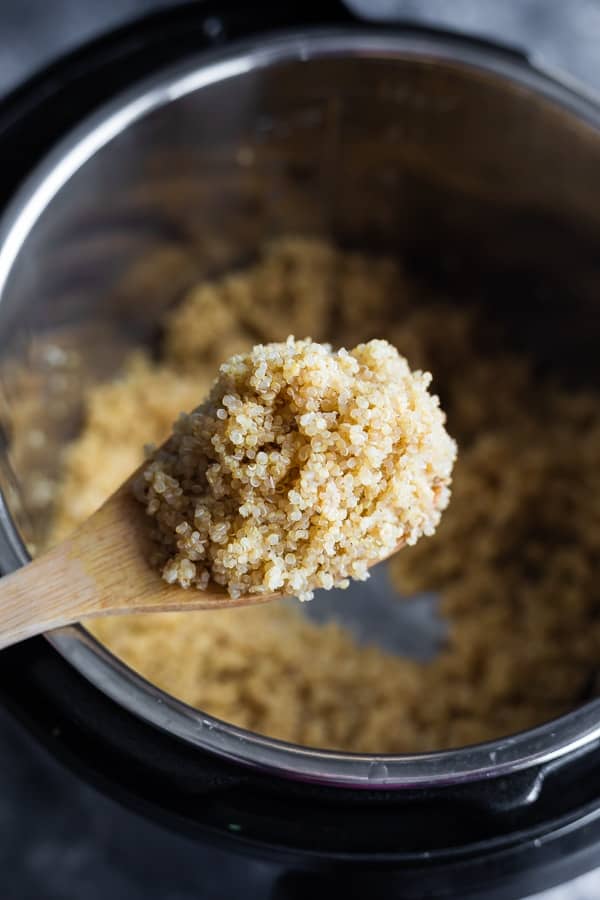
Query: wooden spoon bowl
[(101, 569)]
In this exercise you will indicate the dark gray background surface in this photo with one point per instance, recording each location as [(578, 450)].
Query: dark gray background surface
[(59, 839)]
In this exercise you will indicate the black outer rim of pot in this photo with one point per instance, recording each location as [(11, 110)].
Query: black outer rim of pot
[(501, 838)]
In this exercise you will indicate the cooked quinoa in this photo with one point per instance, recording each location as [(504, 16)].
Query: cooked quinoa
[(514, 559), (304, 466)]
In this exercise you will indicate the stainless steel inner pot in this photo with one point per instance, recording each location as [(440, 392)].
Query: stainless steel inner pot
[(480, 168)]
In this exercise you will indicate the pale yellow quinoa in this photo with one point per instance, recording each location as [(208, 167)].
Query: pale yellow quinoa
[(514, 559), (304, 466)]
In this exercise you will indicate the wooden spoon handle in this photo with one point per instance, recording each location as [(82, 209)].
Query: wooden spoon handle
[(48, 593), (84, 576)]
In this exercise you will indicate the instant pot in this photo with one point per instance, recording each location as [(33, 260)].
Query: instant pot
[(212, 127)]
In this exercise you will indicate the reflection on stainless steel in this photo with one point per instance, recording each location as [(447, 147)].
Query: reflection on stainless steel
[(428, 147)]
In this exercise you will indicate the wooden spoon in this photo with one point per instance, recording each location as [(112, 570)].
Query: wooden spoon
[(100, 570)]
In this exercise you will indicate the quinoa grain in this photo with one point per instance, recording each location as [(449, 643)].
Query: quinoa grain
[(303, 467)]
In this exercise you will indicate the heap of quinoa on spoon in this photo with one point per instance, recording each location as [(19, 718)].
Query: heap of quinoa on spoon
[(304, 467)]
